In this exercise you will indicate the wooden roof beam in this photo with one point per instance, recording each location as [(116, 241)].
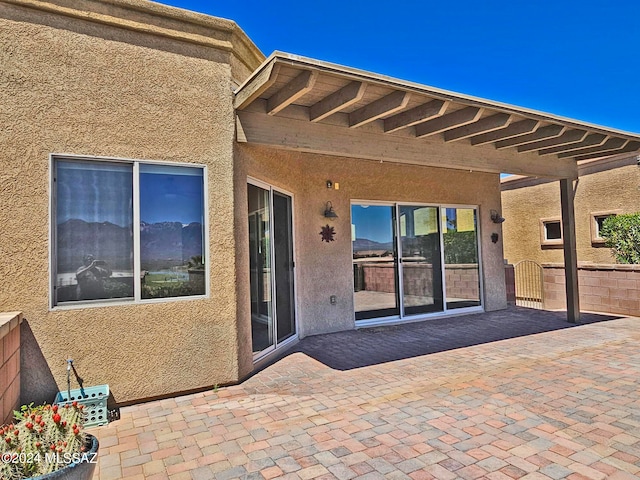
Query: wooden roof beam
[(386, 105), (514, 130), (543, 133), (447, 122), (567, 138), (593, 139), (338, 100), (608, 146), (487, 124), (629, 147), (419, 114), (257, 86), (293, 90)]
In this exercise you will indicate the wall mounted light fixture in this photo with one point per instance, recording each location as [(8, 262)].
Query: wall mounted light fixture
[(329, 212), (494, 237), (496, 217), (329, 184)]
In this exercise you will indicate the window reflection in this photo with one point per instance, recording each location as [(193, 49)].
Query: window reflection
[(94, 231), (462, 273), (374, 261), (171, 231)]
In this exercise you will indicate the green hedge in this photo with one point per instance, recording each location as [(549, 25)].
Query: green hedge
[(622, 234)]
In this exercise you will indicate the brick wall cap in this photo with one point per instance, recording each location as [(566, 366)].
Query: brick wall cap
[(597, 266), (9, 321)]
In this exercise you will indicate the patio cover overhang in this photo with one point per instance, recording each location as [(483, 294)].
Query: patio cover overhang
[(301, 104)]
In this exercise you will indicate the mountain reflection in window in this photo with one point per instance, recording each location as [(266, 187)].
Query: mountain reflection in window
[(94, 231), (171, 231), (94, 241)]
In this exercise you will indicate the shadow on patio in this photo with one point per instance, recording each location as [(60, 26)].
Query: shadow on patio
[(372, 346)]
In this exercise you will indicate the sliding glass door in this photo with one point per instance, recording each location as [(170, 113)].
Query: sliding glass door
[(420, 260), (271, 268), (462, 271), (398, 256), (375, 263)]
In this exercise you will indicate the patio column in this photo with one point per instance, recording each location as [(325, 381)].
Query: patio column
[(570, 253)]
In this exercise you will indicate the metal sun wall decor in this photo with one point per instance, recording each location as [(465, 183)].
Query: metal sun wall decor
[(328, 233)]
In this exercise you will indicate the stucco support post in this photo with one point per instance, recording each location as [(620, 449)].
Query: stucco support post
[(570, 253)]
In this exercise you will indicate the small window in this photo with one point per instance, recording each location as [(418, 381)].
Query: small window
[(553, 231), (597, 220), (550, 231), (126, 231)]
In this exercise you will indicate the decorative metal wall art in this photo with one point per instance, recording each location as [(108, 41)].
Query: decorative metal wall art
[(328, 233)]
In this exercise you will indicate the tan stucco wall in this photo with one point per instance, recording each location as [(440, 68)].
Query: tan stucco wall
[(325, 269), (73, 86), (597, 190)]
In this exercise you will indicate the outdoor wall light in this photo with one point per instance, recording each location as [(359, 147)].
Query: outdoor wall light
[(329, 184), (329, 212), (494, 237), (495, 217)]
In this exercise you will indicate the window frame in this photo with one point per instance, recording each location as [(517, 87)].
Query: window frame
[(136, 299), (596, 239), (550, 242)]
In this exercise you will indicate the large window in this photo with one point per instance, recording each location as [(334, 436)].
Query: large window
[(127, 231)]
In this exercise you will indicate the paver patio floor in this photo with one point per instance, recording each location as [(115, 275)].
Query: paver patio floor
[(564, 403)]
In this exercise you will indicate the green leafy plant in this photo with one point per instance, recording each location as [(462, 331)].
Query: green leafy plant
[(42, 439), (622, 234)]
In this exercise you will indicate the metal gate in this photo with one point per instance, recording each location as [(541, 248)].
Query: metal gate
[(529, 284)]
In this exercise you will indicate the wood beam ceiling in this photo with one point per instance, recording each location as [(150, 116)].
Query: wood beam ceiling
[(386, 105), (593, 139), (357, 100), (293, 90), (339, 100), (549, 131), (447, 122), (484, 125), (514, 130), (567, 138), (631, 146), (610, 145), (421, 113)]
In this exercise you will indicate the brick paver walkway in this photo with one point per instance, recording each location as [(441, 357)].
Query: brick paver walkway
[(560, 404)]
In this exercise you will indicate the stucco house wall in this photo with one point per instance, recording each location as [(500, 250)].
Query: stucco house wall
[(136, 81), (603, 185), (325, 269)]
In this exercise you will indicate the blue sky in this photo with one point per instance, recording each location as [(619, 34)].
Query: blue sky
[(571, 58)]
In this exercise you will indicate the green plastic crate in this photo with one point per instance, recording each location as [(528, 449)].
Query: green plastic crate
[(94, 400)]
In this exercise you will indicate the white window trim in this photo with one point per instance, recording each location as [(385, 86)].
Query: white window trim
[(135, 300)]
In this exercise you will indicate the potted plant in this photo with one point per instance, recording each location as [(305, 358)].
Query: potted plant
[(47, 442)]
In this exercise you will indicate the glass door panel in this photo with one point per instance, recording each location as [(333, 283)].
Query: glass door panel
[(462, 273), (283, 262), (260, 268), (375, 266), (420, 260)]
